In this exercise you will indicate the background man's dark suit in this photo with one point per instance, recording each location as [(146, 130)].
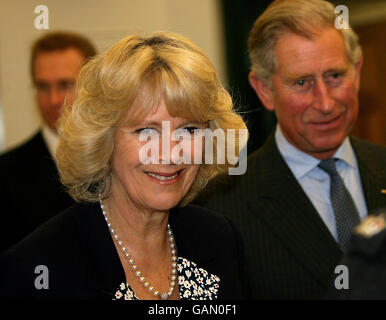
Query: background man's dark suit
[(30, 191), (290, 252), (28, 176)]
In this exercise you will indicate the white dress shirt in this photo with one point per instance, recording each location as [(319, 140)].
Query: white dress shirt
[(51, 139), (316, 182)]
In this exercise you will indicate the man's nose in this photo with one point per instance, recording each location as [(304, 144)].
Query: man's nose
[(324, 102), (56, 97)]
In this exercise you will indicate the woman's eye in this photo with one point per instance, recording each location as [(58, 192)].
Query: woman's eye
[(190, 129), (187, 130), (191, 132), (147, 131)]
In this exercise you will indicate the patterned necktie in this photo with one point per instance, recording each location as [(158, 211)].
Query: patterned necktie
[(346, 214)]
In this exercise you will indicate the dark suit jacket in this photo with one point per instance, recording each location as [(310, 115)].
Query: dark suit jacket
[(30, 190), (83, 263), (290, 252), (366, 269)]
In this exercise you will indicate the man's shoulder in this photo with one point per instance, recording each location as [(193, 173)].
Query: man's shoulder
[(56, 229), (19, 153), (257, 162), (29, 159), (365, 146), (261, 164), (53, 238), (59, 245), (231, 193), (370, 153)]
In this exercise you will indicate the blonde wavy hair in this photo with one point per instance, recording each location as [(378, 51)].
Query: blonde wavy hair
[(302, 17), (127, 82)]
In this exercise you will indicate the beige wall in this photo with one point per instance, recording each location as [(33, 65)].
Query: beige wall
[(104, 21)]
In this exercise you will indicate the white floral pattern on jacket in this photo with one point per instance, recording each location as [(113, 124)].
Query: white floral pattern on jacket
[(194, 283)]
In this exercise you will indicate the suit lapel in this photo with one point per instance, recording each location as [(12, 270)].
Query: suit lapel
[(371, 176), (41, 179), (291, 216)]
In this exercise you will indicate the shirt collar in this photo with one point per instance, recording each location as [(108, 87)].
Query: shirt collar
[(346, 153), (301, 163), (51, 139)]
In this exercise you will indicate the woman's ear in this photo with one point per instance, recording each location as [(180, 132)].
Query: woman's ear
[(262, 90)]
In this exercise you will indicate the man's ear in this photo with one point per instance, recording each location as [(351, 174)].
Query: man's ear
[(358, 68), (262, 90)]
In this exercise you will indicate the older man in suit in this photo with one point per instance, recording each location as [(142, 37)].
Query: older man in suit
[(30, 190), (311, 182)]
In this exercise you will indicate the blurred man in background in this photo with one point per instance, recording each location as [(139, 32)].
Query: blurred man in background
[(30, 190)]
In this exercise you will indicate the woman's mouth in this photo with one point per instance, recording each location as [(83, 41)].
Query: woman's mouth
[(162, 178), (165, 178)]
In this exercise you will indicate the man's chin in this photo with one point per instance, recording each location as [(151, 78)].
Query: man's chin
[(326, 150)]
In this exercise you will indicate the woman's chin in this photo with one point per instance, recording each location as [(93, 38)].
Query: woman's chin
[(164, 204)]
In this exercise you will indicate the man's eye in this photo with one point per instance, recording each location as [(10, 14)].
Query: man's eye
[(303, 84), (66, 85), (336, 75), (335, 78), (42, 87)]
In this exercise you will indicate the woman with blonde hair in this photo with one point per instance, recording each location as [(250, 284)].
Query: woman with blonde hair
[(133, 234)]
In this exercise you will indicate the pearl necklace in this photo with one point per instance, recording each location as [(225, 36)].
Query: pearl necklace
[(137, 272)]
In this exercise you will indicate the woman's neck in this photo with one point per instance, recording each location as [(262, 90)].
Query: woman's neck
[(144, 235), (141, 230)]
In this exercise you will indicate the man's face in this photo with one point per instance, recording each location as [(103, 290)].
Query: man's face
[(55, 75), (314, 91)]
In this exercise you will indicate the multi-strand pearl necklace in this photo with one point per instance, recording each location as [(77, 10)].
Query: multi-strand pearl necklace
[(137, 272)]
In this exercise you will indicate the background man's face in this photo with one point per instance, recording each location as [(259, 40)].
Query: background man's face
[(55, 75), (315, 91)]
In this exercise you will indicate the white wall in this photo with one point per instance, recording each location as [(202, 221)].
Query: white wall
[(104, 21)]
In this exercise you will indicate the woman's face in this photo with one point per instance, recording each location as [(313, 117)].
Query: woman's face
[(154, 186)]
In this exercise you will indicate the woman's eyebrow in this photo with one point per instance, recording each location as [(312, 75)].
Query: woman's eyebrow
[(151, 123), (192, 122)]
